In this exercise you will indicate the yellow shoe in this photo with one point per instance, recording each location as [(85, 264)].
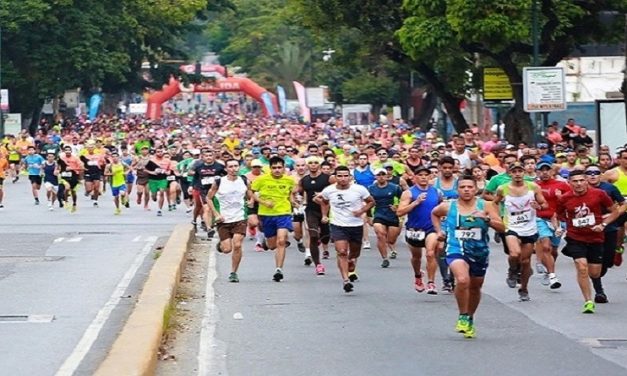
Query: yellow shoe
[(470, 333), (463, 324), (117, 211)]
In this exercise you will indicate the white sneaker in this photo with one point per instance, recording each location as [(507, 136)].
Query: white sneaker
[(540, 268), (545, 280), (366, 244), (554, 283)]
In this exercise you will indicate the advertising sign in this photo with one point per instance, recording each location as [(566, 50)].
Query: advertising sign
[(544, 89)]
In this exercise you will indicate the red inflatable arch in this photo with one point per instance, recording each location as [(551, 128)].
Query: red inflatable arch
[(204, 69), (230, 84)]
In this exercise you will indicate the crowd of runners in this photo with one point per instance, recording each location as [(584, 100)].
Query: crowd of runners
[(325, 185)]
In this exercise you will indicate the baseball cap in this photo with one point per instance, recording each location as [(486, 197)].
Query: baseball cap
[(380, 171), (256, 163), (543, 146), (422, 168), (313, 159), (543, 164), (515, 165)]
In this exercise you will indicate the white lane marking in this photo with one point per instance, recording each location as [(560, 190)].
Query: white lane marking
[(137, 238), (75, 240), (58, 240), (206, 348), (89, 337)]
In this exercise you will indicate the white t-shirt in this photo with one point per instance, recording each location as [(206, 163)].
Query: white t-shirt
[(343, 202)]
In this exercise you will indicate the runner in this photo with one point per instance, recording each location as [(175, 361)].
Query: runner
[(550, 231), (417, 203), (276, 195), (231, 192), (593, 175), (348, 203), (618, 177), (185, 180), (446, 182), (158, 169), (298, 214), (129, 161), (467, 252), (34, 163), (4, 166), (582, 210), (311, 185), (142, 176), (253, 206), (70, 168), (94, 163), (204, 172), (363, 175), (51, 180), (520, 201), (118, 172), (386, 221)]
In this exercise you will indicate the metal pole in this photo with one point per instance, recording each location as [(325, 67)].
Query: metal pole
[(536, 56)]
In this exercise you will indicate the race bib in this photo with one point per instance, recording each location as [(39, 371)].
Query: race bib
[(185, 174), (520, 218), (159, 171), (468, 234), (206, 181), (299, 211), (92, 163), (415, 235), (585, 221), (66, 174), (171, 178)]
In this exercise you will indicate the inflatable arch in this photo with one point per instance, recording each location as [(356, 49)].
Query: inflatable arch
[(266, 99)]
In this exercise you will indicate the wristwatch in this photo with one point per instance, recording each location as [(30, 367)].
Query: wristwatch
[(604, 224)]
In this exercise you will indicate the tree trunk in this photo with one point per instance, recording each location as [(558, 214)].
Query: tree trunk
[(518, 125), (426, 110), (450, 101)]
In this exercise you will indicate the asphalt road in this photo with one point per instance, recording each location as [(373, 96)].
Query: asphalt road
[(68, 281), (307, 325)]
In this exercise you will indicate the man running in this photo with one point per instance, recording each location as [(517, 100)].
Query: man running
[(51, 180), (466, 226), (311, 185), (142, 176), (253, 206), (204, 173), (158, 169), (231, 192), (520, 201), (446, 182), (582, 210), (418, 202), (549, 229), (70, 168), (4, 166), (276, 195), (593, 175), (386, 222), (34, 163), (94, 164), (118, 172), (347, 202)]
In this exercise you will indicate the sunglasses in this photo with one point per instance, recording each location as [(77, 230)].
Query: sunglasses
[(382, 153), (593, 173)]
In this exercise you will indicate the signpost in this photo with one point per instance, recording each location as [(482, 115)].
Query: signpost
[(544, 89)]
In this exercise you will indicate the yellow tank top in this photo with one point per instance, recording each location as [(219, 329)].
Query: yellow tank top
[(621, 182), (117, 177)]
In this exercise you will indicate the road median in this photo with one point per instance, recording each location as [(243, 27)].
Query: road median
[(134, 352)]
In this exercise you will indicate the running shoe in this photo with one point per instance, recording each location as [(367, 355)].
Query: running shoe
[(320, 269), (203, 226), (431, 290), (117, 211), (301, 247), (210, 233), (463, 324), (470, 333), (233, 277), (540, 268), (73, 209), (618, 256), (418, 285), (352, 276), (15, 179), (127, 204), (36, 201), (95, 204), (588, 307), (600, 298), (385, 263), (264, 245), (554, 283), (159, 213), (1, 206), (366, 244), (278, 276), (325, 255), (348, 287), (512, 278), (308, 261), (447, 286), (523, 296), (258, 248), (393, 255), (545, 281)]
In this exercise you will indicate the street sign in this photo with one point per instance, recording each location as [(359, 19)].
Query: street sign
[(544, 89), (496, 86), (13, 124)]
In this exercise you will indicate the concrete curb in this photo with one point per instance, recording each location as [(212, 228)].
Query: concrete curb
[(134, 352)]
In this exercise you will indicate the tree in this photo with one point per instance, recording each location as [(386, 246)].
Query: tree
[(371, 89), (500, 30), (50, 46)]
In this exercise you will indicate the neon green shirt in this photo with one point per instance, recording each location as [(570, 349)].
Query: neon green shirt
[(277, 190), (117, 177)]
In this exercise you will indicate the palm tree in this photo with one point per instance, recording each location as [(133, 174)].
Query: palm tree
[(290, 63)]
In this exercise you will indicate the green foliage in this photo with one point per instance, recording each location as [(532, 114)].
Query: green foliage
[(371, 89)]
